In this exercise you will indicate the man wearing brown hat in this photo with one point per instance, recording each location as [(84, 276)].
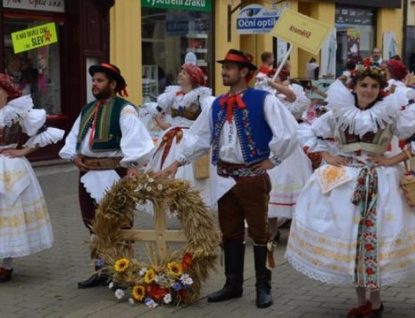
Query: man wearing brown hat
[(106, 142), (249, 132)]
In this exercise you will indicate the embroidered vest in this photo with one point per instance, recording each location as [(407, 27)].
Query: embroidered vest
[(376, 143), (253, 131), (107, 134), (10, 135)]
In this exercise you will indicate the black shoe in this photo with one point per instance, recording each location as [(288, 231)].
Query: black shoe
[(234, 272), (277, 237), (5, 275), (263, 277), (94, 281)]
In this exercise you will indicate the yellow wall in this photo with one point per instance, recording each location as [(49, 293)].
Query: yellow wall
[(125, 45), (324, 12), (390, 20), (222, 46)]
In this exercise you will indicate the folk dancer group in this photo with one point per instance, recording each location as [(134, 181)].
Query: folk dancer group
[(350, 221)]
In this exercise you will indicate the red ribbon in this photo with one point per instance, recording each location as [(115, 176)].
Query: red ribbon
[(92, 133), (230, 101), (264, 69)]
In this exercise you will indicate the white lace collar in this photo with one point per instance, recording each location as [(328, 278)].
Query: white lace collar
[(347, 115), (18, 107), (189, 98)]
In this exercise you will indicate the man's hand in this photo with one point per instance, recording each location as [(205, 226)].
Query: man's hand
[(16, 153), (262, 166), (170, 171), (81, 166), (132, 172)]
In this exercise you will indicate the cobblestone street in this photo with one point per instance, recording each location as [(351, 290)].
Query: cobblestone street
[(45, 284)]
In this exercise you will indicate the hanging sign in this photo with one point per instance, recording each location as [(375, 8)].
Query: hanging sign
[(190, 5), (254, 19), (37, 5), (35, 37), (302, 31)]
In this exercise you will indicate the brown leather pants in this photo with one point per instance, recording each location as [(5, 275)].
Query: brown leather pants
[(248, 199)]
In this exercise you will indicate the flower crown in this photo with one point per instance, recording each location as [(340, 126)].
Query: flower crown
[(366, 68)]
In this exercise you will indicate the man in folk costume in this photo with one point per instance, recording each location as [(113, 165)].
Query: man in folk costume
[(250, 132), (106, 143)]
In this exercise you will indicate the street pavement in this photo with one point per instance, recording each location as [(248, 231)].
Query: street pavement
[(45, 284)]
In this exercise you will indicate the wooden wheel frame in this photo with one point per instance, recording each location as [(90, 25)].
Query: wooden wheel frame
[(117, 209)]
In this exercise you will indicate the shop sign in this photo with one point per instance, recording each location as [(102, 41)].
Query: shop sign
[(37, 5), (256, 19), (302, 31), (34, 38), (190, 5), (353, 15)]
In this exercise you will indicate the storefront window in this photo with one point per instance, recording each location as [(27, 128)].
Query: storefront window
[(355, 33), (167, 36), (37, 71)]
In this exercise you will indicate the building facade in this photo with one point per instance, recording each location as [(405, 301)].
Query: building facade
[(149, 42), (55, 75)]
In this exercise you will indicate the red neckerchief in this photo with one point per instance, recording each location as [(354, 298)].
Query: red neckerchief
[(180, 93), (230, 100)]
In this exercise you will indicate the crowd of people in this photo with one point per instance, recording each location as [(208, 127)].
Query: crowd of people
[(330, 163)]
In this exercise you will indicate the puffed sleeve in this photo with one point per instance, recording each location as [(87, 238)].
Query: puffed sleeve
[(321, 131), (206, 102), (136, 143), (33, 124), (284, 128), (165, 100), (301, 102), (196, 141), (68, 151)]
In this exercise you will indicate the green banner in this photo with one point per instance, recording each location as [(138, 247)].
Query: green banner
[(33, 38), (190, 5)]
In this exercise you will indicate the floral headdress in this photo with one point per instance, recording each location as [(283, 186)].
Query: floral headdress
[(7, 84), (397, 69), (366, 68)]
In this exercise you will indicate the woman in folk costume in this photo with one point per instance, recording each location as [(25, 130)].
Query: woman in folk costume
[(24, 220), (292, 174), (352, 224), (397, 76), (184, 102)]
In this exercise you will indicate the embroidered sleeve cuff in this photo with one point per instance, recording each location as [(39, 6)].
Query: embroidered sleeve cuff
[(275, 161), (182, 160)]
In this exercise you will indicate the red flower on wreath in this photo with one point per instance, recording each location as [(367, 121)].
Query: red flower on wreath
[(370, 271), (156, 292), (182, 294), (369, 247), (369, 223), (187, 261)]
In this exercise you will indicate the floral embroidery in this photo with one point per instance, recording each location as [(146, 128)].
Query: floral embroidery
[(216, 135), (365, 197)]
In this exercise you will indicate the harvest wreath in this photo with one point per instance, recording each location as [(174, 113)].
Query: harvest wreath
[(175, 277)]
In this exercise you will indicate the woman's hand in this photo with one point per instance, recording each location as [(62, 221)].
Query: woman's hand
[(16, 153), (334, 160), (161, 123), (389, 161)]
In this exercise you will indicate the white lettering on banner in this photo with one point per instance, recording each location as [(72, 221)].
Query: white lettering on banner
[(186, 3), (38, 5)]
